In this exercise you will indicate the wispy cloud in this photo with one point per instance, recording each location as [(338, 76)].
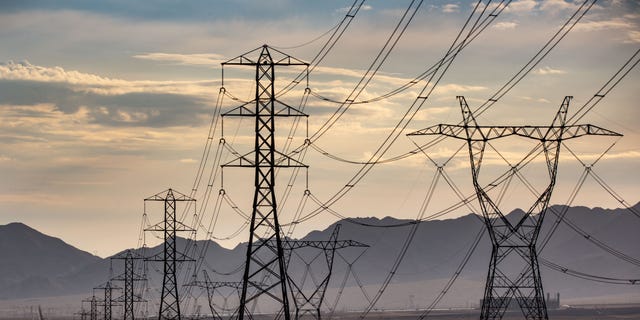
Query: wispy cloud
[(558, 5), (450, 8), (506, 25), (548, 71), (195, 59), (626, 28), (597, 25), (521, 6), (365, 7), (107, 101)]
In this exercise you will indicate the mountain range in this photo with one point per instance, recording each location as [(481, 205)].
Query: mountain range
[(37, 265)]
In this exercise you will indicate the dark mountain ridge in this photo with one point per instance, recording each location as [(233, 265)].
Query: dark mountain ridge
[(45, 266)]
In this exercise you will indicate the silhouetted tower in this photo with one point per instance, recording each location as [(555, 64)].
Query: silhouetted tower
[(308, 301), (210, 288), (169, 299), (108, 302), (93, 307), (264, 272), (516, 241), (129, 277), (84, 314)]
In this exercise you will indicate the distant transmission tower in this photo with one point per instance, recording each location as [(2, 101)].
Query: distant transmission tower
[(264, 272), (210, 288), (514, 241), (308, 301), (108, 301), (169, 300), (93, 307), (129, 277)]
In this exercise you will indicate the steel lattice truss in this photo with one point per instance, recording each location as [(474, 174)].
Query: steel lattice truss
[(308, 302), (211, 287), (170, 302), (108, 301), (264, 273), (129, 277), (514, 241), (93, 308)]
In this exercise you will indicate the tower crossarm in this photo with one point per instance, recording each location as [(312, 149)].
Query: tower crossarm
[(540, 133), (280, 109), (319, 244), (278, 58)]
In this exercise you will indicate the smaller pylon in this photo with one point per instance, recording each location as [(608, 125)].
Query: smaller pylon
[(169, 299), (307, 300), (84, 314), (93, 307), (108, 302), (210, 287), (129, 276)]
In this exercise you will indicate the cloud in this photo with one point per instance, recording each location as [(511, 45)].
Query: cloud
[(364, 7), (195, 59), (26, 71), (625, 26), (522, 6), (541, 100), (450, 8), (614, 23), (634, 37), (557, 5), (457, 89), (112, 102), (548, 71), (505, 25), (86, 82)]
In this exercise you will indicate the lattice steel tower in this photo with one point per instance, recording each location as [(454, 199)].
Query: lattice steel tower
[(169, 299), (108, 301), (264, 272), (93, 307), (514, 242), (129, 277), (308, 300)]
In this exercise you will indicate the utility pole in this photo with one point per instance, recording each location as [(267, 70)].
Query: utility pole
[(514, 242), (264, 273), (169, 299), (308, 301), (129, 277)]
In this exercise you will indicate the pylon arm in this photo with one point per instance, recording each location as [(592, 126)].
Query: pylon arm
[(136, 298), (281, 161), (281, 109), (279, 58), (159, 227), (174, 195), (122, 277), (159, 257), (541, 133), (297, 244)]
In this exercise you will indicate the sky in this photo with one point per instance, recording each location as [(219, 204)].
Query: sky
[(105, 103)]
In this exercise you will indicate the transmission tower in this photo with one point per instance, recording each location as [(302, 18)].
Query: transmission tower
[(210, 287), (516, 241), (169, 300), (308, 302), (82, 313), (129, 277), (93, 307), (108, 301), (264, 272)]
